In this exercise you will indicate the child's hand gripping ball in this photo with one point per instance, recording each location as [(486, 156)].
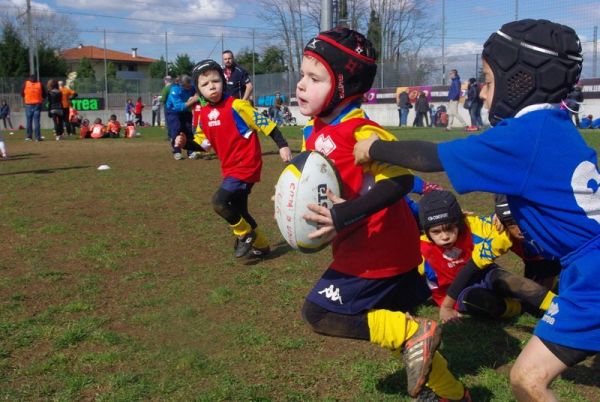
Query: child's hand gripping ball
[(305, 180)]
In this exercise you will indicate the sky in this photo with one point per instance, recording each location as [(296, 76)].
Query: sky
[(202, 28)]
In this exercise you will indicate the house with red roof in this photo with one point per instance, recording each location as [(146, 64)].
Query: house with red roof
[(129, 65)]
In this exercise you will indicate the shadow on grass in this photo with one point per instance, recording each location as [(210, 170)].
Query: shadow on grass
[(584, 375), (44, 171), (467, 352), (20, 157), (277, 251), (395, 384)]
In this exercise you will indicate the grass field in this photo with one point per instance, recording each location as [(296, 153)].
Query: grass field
[(121, 285)]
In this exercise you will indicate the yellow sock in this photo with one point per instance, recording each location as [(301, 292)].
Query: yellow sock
[(513, 308), (390, 329), (442, 382), (241, 228), (261, 240), (547, 300)]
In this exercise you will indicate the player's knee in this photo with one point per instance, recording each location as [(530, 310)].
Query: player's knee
[(525, 381), (312, 314), (219, 204)]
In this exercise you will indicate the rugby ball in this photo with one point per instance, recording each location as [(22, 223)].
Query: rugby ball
[(304, 181)]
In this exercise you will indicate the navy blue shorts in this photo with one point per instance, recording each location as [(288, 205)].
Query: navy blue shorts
[(232, 185), (348, 294)]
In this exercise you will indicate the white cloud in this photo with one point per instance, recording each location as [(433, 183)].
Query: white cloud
[(158, 10)]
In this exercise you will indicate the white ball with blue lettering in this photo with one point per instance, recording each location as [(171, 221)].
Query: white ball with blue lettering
[(305, 180)]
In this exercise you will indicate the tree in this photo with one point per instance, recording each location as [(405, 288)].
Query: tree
[(374, 31), (287, 17), (273, 60), (182, 65), (244, 59), (111, 70), (85, 69), (50, 29), (157, 68), (13, 53), (50, 64)]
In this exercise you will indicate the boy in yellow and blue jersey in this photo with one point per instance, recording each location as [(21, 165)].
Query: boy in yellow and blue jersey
[(230, 127), (459, 255), (373, 279)]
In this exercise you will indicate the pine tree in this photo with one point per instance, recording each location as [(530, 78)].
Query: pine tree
[(85, 69), (13, 53), (157, 69)]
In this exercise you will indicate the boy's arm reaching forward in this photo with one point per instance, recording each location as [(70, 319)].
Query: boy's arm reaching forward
[(249, 119), (391, 184)]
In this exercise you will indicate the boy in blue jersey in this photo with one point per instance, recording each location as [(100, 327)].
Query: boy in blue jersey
[(535, 156)]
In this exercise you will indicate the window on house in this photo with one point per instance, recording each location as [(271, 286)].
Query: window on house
[(132, 67)]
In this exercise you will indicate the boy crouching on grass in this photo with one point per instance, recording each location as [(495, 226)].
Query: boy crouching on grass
[(458, 261), (229, 126), (373, 279)]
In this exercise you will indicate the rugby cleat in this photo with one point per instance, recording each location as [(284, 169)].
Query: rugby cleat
[(427, 395), (256, 252), (418, 354), (243, 245)]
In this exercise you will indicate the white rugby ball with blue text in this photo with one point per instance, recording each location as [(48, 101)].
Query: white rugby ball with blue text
[(305, 180)]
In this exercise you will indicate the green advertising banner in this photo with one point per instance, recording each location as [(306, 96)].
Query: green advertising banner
[(87, 104)]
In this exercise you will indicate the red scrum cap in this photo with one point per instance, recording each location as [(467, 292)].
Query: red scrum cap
[(350, 60)]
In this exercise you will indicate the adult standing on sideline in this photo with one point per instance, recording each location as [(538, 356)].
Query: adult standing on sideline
[(453, 98), (55, 109), (403, 102), (178, 115), (33, 93), (421, 110), (66, 95), (474, 103), (238, 81), (156, 110)]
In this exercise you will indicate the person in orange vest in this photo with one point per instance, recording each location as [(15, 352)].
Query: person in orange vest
[(33, 93), (67, 94)]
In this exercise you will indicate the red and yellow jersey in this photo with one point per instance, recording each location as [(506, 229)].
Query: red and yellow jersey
[(480, 241), (386, 243), (231, 126)]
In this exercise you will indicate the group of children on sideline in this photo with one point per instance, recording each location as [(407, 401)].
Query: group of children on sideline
[(97, 130), (549, 216)]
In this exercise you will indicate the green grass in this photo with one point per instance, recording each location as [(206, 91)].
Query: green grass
[(121, 285)]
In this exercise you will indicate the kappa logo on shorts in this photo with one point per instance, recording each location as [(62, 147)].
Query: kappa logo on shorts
[(332, 293), (325, 145), (552, 311)]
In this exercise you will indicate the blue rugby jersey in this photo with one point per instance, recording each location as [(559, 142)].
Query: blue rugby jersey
[(541, 162)]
